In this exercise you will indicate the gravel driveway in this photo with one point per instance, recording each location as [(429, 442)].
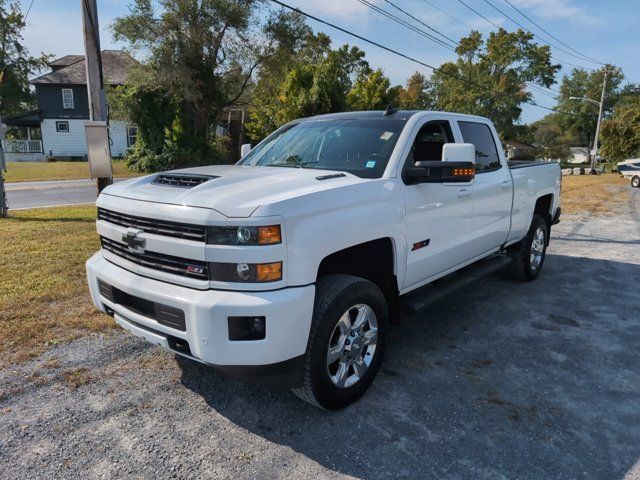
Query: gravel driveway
[(505, 380)]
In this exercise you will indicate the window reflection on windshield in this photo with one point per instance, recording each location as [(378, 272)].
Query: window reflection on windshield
[(358, 146)]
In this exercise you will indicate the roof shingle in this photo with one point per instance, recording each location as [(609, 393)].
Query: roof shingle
[(71, 69)]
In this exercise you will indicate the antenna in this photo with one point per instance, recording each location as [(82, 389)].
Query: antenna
[(390, 110)]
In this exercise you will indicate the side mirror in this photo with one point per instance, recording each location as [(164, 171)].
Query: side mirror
[(244, 149), (457, 166)]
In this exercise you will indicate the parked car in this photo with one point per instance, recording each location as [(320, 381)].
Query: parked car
[(630, 169), (287, 268)]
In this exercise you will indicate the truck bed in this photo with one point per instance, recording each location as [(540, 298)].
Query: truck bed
[(513, 164)]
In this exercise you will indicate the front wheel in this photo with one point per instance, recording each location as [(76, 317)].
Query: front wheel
[(635, 181), (527, 256), (346, 341)]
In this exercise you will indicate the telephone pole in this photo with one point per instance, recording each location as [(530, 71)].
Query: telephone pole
[(595, 140), (93, 62), (4, 208)]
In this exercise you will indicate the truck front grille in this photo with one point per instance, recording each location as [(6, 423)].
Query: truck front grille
[(157, 227), (159, 261)]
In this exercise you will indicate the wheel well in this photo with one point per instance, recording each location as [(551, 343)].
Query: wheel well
[(373, 260), (543, 208)]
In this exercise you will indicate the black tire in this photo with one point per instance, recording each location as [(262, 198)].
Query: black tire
[(522, 267), (335, 296), (635, 181)]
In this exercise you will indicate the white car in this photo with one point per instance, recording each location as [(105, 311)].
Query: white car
[(630, 169), (290, 276)]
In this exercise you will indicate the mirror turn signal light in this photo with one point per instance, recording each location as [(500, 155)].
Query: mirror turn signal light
[(269, 235), (463, 172)]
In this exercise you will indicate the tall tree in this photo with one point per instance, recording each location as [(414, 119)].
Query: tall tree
[(550, 139), (621, 131), (371, 91), (489, 77), (201, 57), (15, 62), (314, 79), (580, 117), (415, 95)]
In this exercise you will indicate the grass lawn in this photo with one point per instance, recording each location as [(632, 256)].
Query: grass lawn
[(34, 171), (44, 298), (598, 194)]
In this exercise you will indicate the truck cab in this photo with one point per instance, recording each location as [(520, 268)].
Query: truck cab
[(288, 267)]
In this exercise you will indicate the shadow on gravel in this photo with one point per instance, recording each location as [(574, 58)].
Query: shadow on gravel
[(503, 380)]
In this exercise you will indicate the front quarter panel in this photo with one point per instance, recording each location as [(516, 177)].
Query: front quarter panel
[(324, 222)]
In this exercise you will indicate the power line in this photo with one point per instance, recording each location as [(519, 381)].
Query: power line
[(395, 52), (552, 36), (541, 39), (28, 10), (420, 21), (402, 22), (506, 16), (447, 14)]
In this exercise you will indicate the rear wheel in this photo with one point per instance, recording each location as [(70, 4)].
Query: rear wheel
[(635, 181), (346, 342), (527, 256)]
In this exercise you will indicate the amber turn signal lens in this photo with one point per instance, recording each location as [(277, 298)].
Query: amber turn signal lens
[(269, 272), (269, 235), (463, 172)]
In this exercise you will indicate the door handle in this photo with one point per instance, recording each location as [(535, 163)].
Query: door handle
[(505, 184), (465, 192)]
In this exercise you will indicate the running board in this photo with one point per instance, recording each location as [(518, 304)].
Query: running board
[(426, 296)]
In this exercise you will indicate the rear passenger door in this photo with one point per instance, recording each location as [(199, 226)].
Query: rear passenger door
[(492, 189)]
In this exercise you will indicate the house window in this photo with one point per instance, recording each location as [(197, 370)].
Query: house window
[(67, 98), (132, 136), (62, 127)]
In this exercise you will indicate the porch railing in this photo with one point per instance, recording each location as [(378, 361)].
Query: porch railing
[(23, 146)]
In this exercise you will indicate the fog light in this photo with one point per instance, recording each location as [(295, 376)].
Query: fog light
[(243, 270), (247, 328)]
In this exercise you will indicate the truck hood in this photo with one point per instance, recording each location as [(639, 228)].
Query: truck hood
[(236, 191)]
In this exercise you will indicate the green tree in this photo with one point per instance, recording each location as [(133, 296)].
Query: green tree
[(371, 91), (314, 79), (489, 77), (201, 58), (415, 95), (550, 139), (621, 131), (580, 117), (15, 62)]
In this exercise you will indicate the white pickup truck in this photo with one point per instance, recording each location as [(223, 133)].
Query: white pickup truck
[(289, 276)]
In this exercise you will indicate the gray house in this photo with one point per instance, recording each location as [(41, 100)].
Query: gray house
[(56, 127)]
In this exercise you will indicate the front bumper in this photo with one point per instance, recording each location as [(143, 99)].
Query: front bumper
[(276, 360)]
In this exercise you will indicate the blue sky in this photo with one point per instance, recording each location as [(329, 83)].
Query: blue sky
[(605, 31)]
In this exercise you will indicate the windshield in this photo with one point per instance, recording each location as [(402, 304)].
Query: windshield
[(358, 146)]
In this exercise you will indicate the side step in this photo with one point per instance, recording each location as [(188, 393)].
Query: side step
[(426, 296)]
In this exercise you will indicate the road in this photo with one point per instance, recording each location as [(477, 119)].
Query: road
[(22, 195), (505, 380)]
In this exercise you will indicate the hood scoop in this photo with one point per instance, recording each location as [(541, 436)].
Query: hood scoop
[(330, 176), (181, 180)]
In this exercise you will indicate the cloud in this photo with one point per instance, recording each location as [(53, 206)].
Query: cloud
[(557, 9)]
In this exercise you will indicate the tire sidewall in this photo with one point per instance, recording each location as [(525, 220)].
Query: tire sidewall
[(360, 292), (635, 181), (536, 223)]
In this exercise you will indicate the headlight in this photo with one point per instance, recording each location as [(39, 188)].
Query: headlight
[(246, 272), (268, 235)]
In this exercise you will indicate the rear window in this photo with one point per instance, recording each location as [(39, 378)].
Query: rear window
[(479, 134)]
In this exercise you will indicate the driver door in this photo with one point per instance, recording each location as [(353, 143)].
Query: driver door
[(438, 215)]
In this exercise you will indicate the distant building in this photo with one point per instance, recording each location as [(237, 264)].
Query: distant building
[(579, 154), (515, 150), (56, 127)]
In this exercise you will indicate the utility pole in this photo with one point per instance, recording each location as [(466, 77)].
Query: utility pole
[(4, 208), (595, 140), (93, 62)]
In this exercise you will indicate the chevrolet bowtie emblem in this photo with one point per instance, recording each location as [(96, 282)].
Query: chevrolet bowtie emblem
[(132, 240)]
